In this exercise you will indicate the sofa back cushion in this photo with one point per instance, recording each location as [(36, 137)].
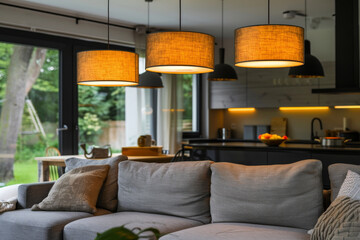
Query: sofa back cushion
[(337, 175), (108, 193), (179, 189), (284, 195)]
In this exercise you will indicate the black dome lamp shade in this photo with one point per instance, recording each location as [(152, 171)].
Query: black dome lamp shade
[(150, 80), (222, 71), (312, 67)]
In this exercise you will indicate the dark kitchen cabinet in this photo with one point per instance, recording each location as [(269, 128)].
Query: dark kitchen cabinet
[(285, 157), (328, 159)]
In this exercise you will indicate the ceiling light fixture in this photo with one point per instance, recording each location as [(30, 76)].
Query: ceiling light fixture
[(107, 68), (149, 79), (269, 46), (223, 71), (312, 67), (180, 52), (348, 107), (302, 108), (241, 109)]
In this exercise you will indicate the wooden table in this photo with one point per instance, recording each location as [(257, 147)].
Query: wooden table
[(59, 161)]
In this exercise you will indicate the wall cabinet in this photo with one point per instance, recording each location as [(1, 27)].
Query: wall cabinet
[(272, 88)]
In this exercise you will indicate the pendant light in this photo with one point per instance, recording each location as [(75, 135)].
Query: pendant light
[(107, 68), (149, 79), (312, 67), (222, 71), (180, 52), (269, 46)]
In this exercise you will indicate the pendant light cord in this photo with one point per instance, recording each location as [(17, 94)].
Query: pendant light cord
[(268, 11), (108, 20), (180, 15), (222, 23), (305, 19), (148, 17)]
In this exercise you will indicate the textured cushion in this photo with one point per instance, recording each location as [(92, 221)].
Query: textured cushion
[(76, 190), (86, 229), (337, 174), (108, 194), (351, 186), (28, 225), (284, 195), (180, 189), (340, 221), (238, 231)]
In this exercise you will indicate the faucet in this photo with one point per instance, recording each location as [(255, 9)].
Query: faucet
[(312, 127)]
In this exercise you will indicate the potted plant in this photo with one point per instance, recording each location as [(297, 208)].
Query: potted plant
[(123, 233)]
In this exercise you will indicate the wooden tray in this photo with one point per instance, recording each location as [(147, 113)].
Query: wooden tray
[(142, 151)]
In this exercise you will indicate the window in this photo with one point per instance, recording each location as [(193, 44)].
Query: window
[(102, 116), (191, 106), (29, 107)]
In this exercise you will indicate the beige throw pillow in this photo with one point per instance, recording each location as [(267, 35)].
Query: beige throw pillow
[(108, 193), (77, 190)]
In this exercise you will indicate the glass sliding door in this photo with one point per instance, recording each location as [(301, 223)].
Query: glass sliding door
[(102, 116), (29, 107)]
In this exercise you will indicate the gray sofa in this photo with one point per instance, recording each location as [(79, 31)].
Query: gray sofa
[(186, 201)]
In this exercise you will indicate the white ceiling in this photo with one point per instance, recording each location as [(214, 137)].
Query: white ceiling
[(197, 15)]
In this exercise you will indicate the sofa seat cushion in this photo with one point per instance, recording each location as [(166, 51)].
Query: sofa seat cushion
[(238, 231), (25, 224), (86, 229)]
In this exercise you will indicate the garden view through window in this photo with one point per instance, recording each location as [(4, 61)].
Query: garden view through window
[(29, 106)]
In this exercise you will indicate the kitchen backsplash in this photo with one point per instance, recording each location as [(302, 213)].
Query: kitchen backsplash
[(299, 123)]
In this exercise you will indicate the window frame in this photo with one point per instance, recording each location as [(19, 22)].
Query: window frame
[(196, 134), (68, 92)]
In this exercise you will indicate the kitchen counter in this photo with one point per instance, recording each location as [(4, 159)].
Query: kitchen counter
[(284, 146)]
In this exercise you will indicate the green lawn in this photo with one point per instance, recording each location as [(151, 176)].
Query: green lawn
[(25, 172)]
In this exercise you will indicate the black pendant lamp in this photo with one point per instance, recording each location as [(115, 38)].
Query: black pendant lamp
[(150, 79), (312, 67), (222, 71)]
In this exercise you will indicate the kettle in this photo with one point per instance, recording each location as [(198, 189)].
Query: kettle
[(97, 152)]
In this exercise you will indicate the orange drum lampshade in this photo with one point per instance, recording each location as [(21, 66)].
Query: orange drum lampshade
[(180, 52), (107, 68), (269, 46)]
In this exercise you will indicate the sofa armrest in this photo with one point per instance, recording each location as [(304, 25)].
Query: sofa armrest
[(33, 193)]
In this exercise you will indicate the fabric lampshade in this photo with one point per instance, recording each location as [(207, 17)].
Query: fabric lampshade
[(180, 52), (269, 46), (150, 80), (312, 67), (107, 68)]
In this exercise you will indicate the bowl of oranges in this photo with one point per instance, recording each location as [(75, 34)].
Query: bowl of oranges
[(272, 140)]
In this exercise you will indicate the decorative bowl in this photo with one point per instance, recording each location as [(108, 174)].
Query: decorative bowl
[(273, 142)]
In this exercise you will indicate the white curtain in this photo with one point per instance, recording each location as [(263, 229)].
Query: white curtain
[(169, 114), (138, 111)]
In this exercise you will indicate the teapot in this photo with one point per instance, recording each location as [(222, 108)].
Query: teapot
[(97, 152)]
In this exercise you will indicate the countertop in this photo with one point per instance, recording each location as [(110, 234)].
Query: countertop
[(264, 147)]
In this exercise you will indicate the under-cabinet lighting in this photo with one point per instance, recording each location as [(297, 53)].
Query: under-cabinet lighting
[(302, 108), (241, 109), (348, 107)]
